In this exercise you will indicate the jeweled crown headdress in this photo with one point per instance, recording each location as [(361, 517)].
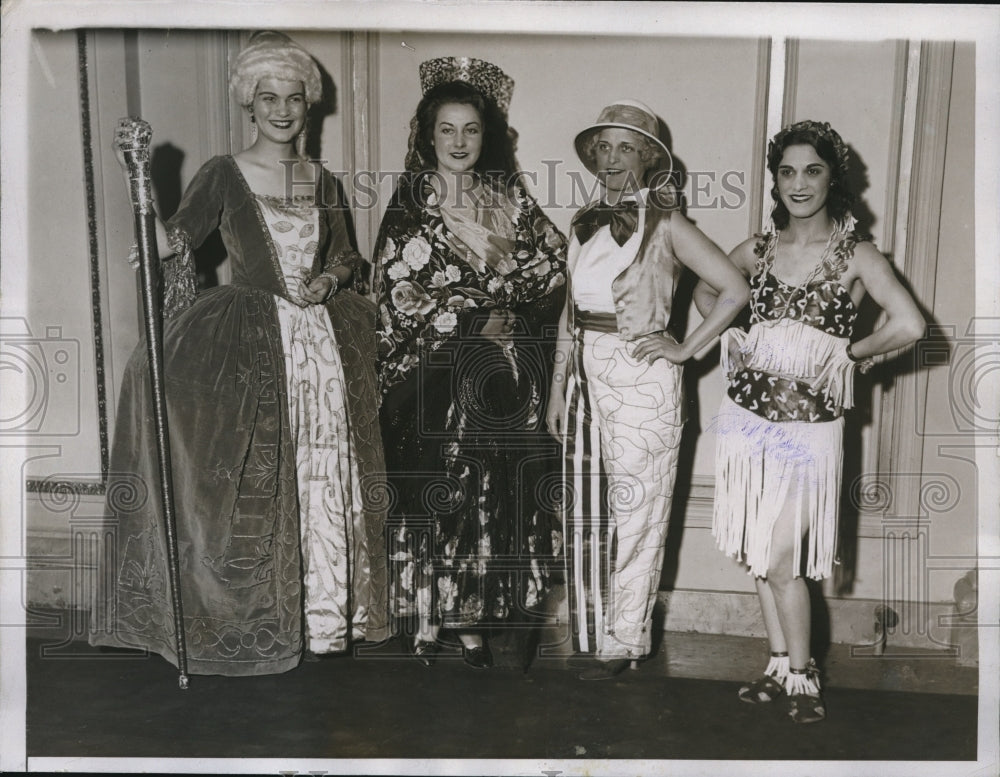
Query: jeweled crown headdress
[(483, 75)]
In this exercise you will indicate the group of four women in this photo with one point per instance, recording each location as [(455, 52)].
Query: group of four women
[(344, 471)]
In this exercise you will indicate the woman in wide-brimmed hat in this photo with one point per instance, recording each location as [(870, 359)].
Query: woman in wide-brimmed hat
[(273, 420), (616, 397)]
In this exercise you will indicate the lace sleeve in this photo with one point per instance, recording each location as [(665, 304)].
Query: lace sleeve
[(359, 266), (179, 280), (198, 214), (180, 285)]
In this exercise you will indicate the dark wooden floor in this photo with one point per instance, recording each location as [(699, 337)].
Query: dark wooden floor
[(81, 703)]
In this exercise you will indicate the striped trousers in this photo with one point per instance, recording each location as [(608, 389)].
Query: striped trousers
[(623, 428)]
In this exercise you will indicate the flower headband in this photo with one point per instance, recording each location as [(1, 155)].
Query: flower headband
[(819, 130)]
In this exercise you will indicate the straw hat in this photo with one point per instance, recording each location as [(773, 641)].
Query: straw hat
[(625, 114)]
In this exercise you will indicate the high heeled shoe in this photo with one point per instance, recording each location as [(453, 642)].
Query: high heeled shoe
[(605, 670), (478, 656), (426, 652)]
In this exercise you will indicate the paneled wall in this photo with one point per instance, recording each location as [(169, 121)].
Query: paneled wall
[(58, 258), (713, 95)]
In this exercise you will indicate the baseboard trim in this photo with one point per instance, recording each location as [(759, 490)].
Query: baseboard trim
[(61, 554), (922, 625)]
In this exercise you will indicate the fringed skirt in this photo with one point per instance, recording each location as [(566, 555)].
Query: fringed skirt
[(764, 468)]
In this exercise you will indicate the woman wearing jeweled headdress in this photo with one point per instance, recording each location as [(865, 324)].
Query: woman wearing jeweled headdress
[(469, 272), (780, 427), (272, 410)]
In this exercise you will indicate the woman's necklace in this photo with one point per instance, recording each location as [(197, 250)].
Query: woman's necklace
[(808, 279)]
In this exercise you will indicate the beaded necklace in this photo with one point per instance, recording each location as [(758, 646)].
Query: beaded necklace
[(808, 279)]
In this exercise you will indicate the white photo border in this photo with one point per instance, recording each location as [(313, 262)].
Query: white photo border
[(980, 24)]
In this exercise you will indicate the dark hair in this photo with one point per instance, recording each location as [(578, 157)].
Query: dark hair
[(839, 199), (496, 159)]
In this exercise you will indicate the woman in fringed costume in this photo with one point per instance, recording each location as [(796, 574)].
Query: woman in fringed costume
[(780, 427), (270, 389), (616, 395), (469, 275)]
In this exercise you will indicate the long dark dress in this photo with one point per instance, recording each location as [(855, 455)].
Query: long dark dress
[(472, 535), (237, 433)]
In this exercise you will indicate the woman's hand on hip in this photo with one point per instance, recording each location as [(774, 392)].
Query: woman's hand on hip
[(660, 346), (737, 361)]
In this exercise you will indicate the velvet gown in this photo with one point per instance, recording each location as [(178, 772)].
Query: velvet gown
[(247, 499)]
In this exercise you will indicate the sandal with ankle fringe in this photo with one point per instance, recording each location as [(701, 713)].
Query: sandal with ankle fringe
[(805, 704), (761, 691), (768, 687)]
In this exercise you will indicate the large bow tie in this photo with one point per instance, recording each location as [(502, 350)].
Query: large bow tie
[(623, 218)]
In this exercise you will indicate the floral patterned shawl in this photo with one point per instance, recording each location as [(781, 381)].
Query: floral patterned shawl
[(427, 294)]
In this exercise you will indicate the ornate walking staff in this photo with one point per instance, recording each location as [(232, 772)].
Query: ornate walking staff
[(132, 138)]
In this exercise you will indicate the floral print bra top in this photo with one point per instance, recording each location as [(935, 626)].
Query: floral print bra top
[(794, 331)]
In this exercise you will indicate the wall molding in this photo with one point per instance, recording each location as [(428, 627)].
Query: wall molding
[(55, 485), (774, 117), (903, 121), (238, 122), (216, 125), (852, 621), (759, 186), (360, 132), (916, 246), (791, 81), (62, 556), (94, 254)]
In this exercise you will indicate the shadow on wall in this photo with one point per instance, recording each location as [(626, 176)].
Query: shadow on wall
[(861, 415), (165, 164), (883, 374), (678, 174), (694, 371), (318, 112), (166, 161), (858, 182)]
